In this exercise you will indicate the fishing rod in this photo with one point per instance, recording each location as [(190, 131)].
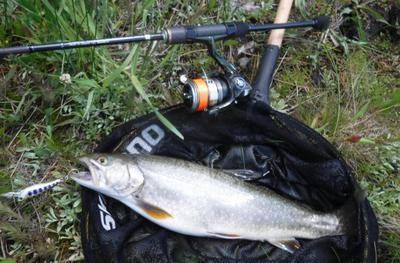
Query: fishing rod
[(174, 35), (211, 92)]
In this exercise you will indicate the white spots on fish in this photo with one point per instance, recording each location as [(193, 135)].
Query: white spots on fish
[(200, 202), (32, 190)]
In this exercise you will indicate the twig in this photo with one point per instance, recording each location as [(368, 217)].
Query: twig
[(17, 164), (46, 173), (20, 129), (3, 250)]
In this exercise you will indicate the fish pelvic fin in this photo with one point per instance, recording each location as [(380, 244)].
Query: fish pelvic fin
[(153, 211), (225, 236), (289, 245)]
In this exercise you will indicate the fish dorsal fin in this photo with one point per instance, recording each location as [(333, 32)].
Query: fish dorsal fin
[(153, 211), (290, 245)]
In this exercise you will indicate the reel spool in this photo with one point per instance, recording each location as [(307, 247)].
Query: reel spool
[(199, 94), (211, 94)]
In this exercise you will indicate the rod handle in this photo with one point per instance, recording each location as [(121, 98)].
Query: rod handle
[(188, 34), (282, 16)]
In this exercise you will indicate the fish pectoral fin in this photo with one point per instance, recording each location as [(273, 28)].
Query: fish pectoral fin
[(152, 210), (290, 245), (225, 236)]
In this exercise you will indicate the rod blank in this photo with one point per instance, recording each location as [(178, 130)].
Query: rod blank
[(78, 44), (181, 34)]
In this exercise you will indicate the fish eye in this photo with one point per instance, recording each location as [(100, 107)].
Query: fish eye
[(102, 160)]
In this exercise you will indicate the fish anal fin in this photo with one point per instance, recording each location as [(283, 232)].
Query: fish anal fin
[(225, 236), (153, 211), (289, 245)]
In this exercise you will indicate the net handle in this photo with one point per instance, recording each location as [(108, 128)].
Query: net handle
[(282, 16)]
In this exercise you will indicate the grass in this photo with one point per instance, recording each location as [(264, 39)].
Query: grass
[(342, 86)]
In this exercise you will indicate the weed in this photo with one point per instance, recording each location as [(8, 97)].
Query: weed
[(56, 106)]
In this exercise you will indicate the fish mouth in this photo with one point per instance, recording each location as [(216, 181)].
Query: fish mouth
[(83, 178), (86, 178)]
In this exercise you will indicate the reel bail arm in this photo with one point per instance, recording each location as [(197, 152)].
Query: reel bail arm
[(228, 67)]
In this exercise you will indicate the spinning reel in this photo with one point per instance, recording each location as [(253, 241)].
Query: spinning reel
[(214, 93), (211, 92)]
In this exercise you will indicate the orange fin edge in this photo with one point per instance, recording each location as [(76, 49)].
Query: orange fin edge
[(153, 211)]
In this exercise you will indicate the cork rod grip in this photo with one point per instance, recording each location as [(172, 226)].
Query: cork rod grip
[(282, 16)]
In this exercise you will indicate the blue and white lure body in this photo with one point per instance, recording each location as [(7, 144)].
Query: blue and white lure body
[(32, 190)]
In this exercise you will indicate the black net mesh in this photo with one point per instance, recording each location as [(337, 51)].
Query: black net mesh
[(285, 155)]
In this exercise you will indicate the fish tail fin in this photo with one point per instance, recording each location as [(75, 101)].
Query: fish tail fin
[(349, 213)]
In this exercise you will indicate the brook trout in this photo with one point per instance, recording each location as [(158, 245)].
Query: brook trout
[(195, 200)]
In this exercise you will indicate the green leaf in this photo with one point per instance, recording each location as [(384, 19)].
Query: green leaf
[(346, 11), (366, 141), (212, 4), (86, 83), (66, 122), (168, 124), (168, 57), (360, 28), (231, 42), (395, 98), (301, 6), (7, 260), (88, 104), (116, 72), (139, 88), (375, 14), (362, 111)]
